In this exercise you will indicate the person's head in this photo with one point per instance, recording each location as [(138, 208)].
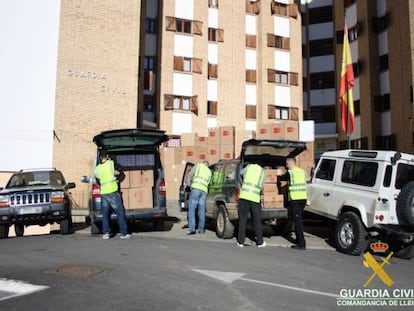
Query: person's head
[(290, 163), (103, 156)]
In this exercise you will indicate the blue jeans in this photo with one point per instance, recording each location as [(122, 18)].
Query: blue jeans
[(113, 200), (197, 199)]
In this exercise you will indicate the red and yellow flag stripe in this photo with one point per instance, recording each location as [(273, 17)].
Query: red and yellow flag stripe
[(347, 82)]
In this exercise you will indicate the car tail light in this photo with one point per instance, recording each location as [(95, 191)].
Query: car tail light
[(57, 197), (163, 188), (236, 194), (96, 191), (379, 217)]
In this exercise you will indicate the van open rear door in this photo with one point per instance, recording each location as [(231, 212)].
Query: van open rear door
[(184, 190)]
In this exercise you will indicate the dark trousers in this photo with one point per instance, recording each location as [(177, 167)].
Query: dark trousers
[(296, 209), (255, 209)]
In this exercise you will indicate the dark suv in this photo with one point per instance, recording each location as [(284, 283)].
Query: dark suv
[(223, 192), (35, 197), (135, 153)]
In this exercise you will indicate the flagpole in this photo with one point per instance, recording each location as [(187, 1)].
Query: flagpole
[(348, 135)]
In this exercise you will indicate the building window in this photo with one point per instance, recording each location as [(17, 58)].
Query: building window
[(282, 77), (361, 143), (215, 35), (150, 25), (322, 80), (323, 14), (278, 112), (149, 63), (251, 76), (213, 4), (212, 108), (212, 71), (382, 103), (252, 7), (381, 24), (251, 41), (357, 107), (353, 33), (321, 47), (323, 114), (184, 25), (385, 142), (357, 68), (383, 62), (250, 112), (283, 9), (188, 64), (183, 103), (278, 42)]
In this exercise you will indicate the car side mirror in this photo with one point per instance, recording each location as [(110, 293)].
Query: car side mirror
[(85, 179), (71, 185)]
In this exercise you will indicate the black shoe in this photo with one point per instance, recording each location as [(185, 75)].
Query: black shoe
[(191, 232), (302, 248)]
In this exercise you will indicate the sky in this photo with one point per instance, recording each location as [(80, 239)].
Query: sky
[(28, 54)]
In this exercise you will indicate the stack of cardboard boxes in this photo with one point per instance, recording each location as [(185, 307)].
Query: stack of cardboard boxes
[(271, 196), (136, 189)]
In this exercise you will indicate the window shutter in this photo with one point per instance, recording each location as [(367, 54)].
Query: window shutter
[(148, 80), (271, 40), (256, 7), (220, 35), (212, 71), (250, 112), (293, 10), (170, 21), (286, 43), (251, 76), (168, 102), (271, 75), (294, 114), (178, 63), (198, 28), (273, 7), (251, 41), (197, 65), (293, 78), (194, 105), (271, 112), (212, 108)]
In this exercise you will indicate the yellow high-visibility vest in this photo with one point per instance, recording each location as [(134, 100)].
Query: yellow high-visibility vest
[(297, 184), (106, 174), (252, 183), (201, 177)]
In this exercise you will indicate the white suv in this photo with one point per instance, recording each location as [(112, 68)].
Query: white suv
[(367, 193)]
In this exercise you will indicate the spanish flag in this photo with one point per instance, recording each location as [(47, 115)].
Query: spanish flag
[(347, 82)]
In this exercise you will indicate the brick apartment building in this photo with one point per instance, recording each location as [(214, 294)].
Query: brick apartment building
[(381, 34), (178, 65)]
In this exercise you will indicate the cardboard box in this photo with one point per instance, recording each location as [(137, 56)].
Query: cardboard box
[(270, 189), (125, 197), (227, 134), (227, 152), (263, 131), (172, 155), (273, 200), (202, 141), (174, 173), (126, 182), (188, 139), (213, 136), (140, 198), (308, 154), (189, 154), (242, 136), (307, 166), (141, 178), (202, 154), (213, 153), (270, 176), (291, 130), (173, 190)]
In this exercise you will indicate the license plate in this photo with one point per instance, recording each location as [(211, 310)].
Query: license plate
[(30, 210)]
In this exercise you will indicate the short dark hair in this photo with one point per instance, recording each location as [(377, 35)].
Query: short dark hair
[(292, 159), (103, 154)]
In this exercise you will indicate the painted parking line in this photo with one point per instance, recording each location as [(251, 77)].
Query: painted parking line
[(14, 288)]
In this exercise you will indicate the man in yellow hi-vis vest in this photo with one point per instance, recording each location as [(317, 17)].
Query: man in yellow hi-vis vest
[(200, 177), (249, 201), (297, 196), (110, 197)]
